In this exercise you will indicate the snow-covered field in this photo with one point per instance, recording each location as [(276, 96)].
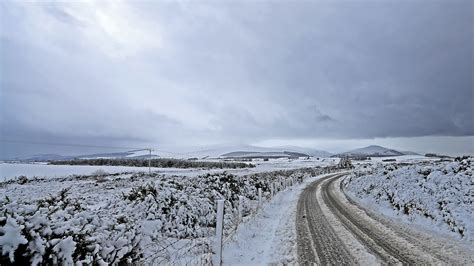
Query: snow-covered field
[(157, 218), (437, 196), (168, 217), (12, 170)]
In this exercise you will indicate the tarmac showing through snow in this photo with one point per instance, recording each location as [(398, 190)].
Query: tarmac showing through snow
[(323, 240), (311, 222), (314, 222), (270, 237)]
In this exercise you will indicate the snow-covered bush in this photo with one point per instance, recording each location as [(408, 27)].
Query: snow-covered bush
[(22, 180), (125, 217), (60, 230), (438, 192)]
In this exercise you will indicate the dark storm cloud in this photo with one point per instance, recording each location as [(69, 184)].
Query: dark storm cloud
[(192, 73)]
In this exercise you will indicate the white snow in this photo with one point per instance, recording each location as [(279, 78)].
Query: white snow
[(168, 217), (142, 153), (372, 150), (217, 151), (65, 248), (43, 170), (152, 219), (12, 170), (270, 237), (436, 195), (11, 237)]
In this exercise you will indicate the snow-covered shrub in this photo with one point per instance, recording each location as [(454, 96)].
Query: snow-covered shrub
[(100, 175), (60, 230), (22, 180), (440, 192), (99, 172), (11, 237), (123, 218)]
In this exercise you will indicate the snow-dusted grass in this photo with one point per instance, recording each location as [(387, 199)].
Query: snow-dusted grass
[(435, 195), (137, 218)]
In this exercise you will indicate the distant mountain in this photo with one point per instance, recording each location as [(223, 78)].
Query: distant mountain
[(309, 151), (371, 151), (253, 154), (250, 151), (42, 157), (211, 152), (217, 150), (135, 154), (409, 153)]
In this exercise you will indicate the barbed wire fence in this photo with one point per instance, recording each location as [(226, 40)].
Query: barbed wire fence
[(252, 208)]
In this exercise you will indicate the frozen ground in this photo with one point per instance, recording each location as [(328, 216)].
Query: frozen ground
[(437, 196), (168, 217), (409, 159), (12, 170), (157, 218), (271, 236)]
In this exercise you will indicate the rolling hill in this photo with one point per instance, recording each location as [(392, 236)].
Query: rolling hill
[(372, 151)]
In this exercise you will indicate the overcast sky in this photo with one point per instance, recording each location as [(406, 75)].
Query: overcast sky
[(327, 75)]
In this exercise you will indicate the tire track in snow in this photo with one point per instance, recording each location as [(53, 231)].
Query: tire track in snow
[(323, 240), (317, 240)]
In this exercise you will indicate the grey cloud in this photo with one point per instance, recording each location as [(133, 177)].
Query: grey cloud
[(60, 14), (241, 72)]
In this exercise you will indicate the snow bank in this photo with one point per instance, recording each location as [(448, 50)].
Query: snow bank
[(436, 195)]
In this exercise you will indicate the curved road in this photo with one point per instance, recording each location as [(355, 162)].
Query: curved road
[(332, 230)]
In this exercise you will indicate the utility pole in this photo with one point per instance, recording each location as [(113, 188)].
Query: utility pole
[(149, 161)]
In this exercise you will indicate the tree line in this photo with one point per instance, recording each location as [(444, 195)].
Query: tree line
[(161, 163)]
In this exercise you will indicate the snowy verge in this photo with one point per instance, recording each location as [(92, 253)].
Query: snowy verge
[(269, 238), (435, 195)]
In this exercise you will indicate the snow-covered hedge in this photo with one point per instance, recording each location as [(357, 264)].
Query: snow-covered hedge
[(72, 227), (437, 193)]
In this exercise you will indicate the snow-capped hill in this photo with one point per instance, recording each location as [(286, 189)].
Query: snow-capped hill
[(409, 153), (309, 151), (41, 157), (282, 151), (253, 154), (209, 152), (134, 154), (371, 151), (218, 150)]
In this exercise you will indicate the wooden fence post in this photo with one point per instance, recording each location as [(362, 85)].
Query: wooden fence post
[(219, 231), (241, 208)]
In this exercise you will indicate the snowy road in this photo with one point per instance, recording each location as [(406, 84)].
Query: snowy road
[(332, 230)]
